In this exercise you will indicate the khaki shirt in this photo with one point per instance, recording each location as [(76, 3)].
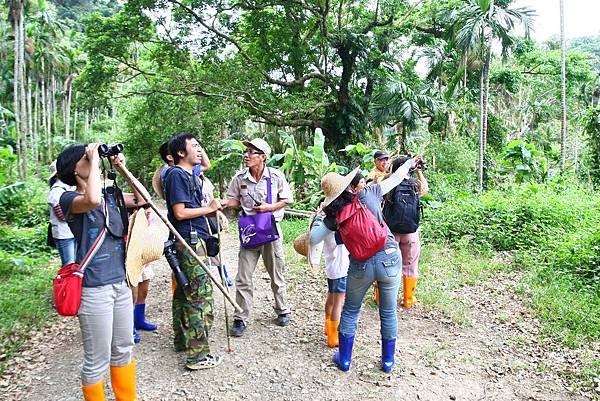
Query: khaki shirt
[(376, 175), (244, 188)]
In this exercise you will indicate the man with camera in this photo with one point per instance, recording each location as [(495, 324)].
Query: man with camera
[(192, 311), (401, 212)]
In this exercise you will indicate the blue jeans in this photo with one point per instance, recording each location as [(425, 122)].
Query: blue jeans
[(66, 250), (384, 268)]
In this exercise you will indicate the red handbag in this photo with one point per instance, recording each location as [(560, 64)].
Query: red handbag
[(68, 282)]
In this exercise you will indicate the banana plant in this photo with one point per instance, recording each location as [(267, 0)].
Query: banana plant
[(304, 168)]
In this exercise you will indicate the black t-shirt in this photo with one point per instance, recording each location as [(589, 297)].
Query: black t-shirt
[(108, 264), (183, 187)]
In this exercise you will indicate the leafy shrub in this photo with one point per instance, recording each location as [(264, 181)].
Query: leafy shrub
[(24, 204), (524, 218), (292, 228), (453, 157), (524, 161), (23, 241), (579, 255)]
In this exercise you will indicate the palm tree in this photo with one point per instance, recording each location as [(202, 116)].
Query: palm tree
[(16, 17), (563, 85), (399, 105), (478, 24)]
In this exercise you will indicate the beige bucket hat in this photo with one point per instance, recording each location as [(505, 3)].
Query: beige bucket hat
[(259, 144), (145, 244), (333, 184), (157, 184)]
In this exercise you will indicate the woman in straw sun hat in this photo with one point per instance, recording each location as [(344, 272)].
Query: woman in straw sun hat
[(343, 208), (336, 269)]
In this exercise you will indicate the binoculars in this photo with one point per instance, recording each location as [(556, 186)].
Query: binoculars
[(105, 150)]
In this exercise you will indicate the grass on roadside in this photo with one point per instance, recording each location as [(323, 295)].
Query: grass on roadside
[(25, 301), (444, 271)]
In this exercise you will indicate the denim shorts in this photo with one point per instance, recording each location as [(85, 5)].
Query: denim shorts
[(337, 285)]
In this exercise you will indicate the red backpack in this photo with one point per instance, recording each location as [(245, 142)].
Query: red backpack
[(362, 234)]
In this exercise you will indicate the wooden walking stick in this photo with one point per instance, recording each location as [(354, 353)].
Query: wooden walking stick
[(146, 196), (221, 270)]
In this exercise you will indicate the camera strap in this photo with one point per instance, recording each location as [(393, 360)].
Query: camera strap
[(117, 194)]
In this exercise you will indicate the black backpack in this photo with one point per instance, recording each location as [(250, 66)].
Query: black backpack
[(402, 208)]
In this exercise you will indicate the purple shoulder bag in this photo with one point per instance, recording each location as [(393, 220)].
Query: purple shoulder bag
[(260, 228)]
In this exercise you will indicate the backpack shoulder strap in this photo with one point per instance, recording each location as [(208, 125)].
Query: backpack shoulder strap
[(349, 210)]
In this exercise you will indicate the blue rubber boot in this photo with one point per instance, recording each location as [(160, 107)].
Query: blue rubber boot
[(388, 349), (139, 318), (343, 357), (136, 336)]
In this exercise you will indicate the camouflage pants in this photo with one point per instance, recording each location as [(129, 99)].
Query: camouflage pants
[(193, 317)]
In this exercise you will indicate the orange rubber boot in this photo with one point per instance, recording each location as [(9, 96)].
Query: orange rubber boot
[(122, 379), (94, 392), (409, 284), (375, 292), (326, 325), (332, 333)]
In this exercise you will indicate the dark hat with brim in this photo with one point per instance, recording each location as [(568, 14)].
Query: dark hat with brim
[(66, 161), (381, 154)]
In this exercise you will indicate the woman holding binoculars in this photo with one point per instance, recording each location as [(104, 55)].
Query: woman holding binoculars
[(105, 315)]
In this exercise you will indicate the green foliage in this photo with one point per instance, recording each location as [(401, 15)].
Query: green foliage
[(592, 129), (7, 163), (23, 241), (569, 311), (361, 155), (524, 161), (304, 168), (292, 228), (444, 270), (23, 204), (524, 218), (552, 231), (230, 161), (497, 132), (579, 255), (25, 298)]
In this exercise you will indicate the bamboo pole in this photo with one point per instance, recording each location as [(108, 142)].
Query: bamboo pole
[(146, 196)]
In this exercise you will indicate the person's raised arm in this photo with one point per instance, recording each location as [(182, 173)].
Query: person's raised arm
[(205, 164), (92, 196), (397, 176), (131, 200)]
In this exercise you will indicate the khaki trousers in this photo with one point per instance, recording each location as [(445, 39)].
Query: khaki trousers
[(273, 258)]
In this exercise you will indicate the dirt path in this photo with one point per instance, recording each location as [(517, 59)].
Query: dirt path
[(497, 357)]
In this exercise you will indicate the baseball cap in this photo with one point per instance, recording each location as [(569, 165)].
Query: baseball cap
[(380, 154), (259, 144)]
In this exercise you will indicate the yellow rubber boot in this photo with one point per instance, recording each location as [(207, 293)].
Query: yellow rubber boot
[(332, 334), (122, 379), (326, 325), (376, 292), (94, 392), (409, 284)]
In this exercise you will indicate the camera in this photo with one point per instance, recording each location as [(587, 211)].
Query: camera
[(105, 150), (421, 165), (171, 256)]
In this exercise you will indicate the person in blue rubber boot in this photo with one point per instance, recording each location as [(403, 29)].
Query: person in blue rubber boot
[(374, 256)]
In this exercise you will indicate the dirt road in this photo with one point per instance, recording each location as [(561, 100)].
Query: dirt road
[(497, 357)]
